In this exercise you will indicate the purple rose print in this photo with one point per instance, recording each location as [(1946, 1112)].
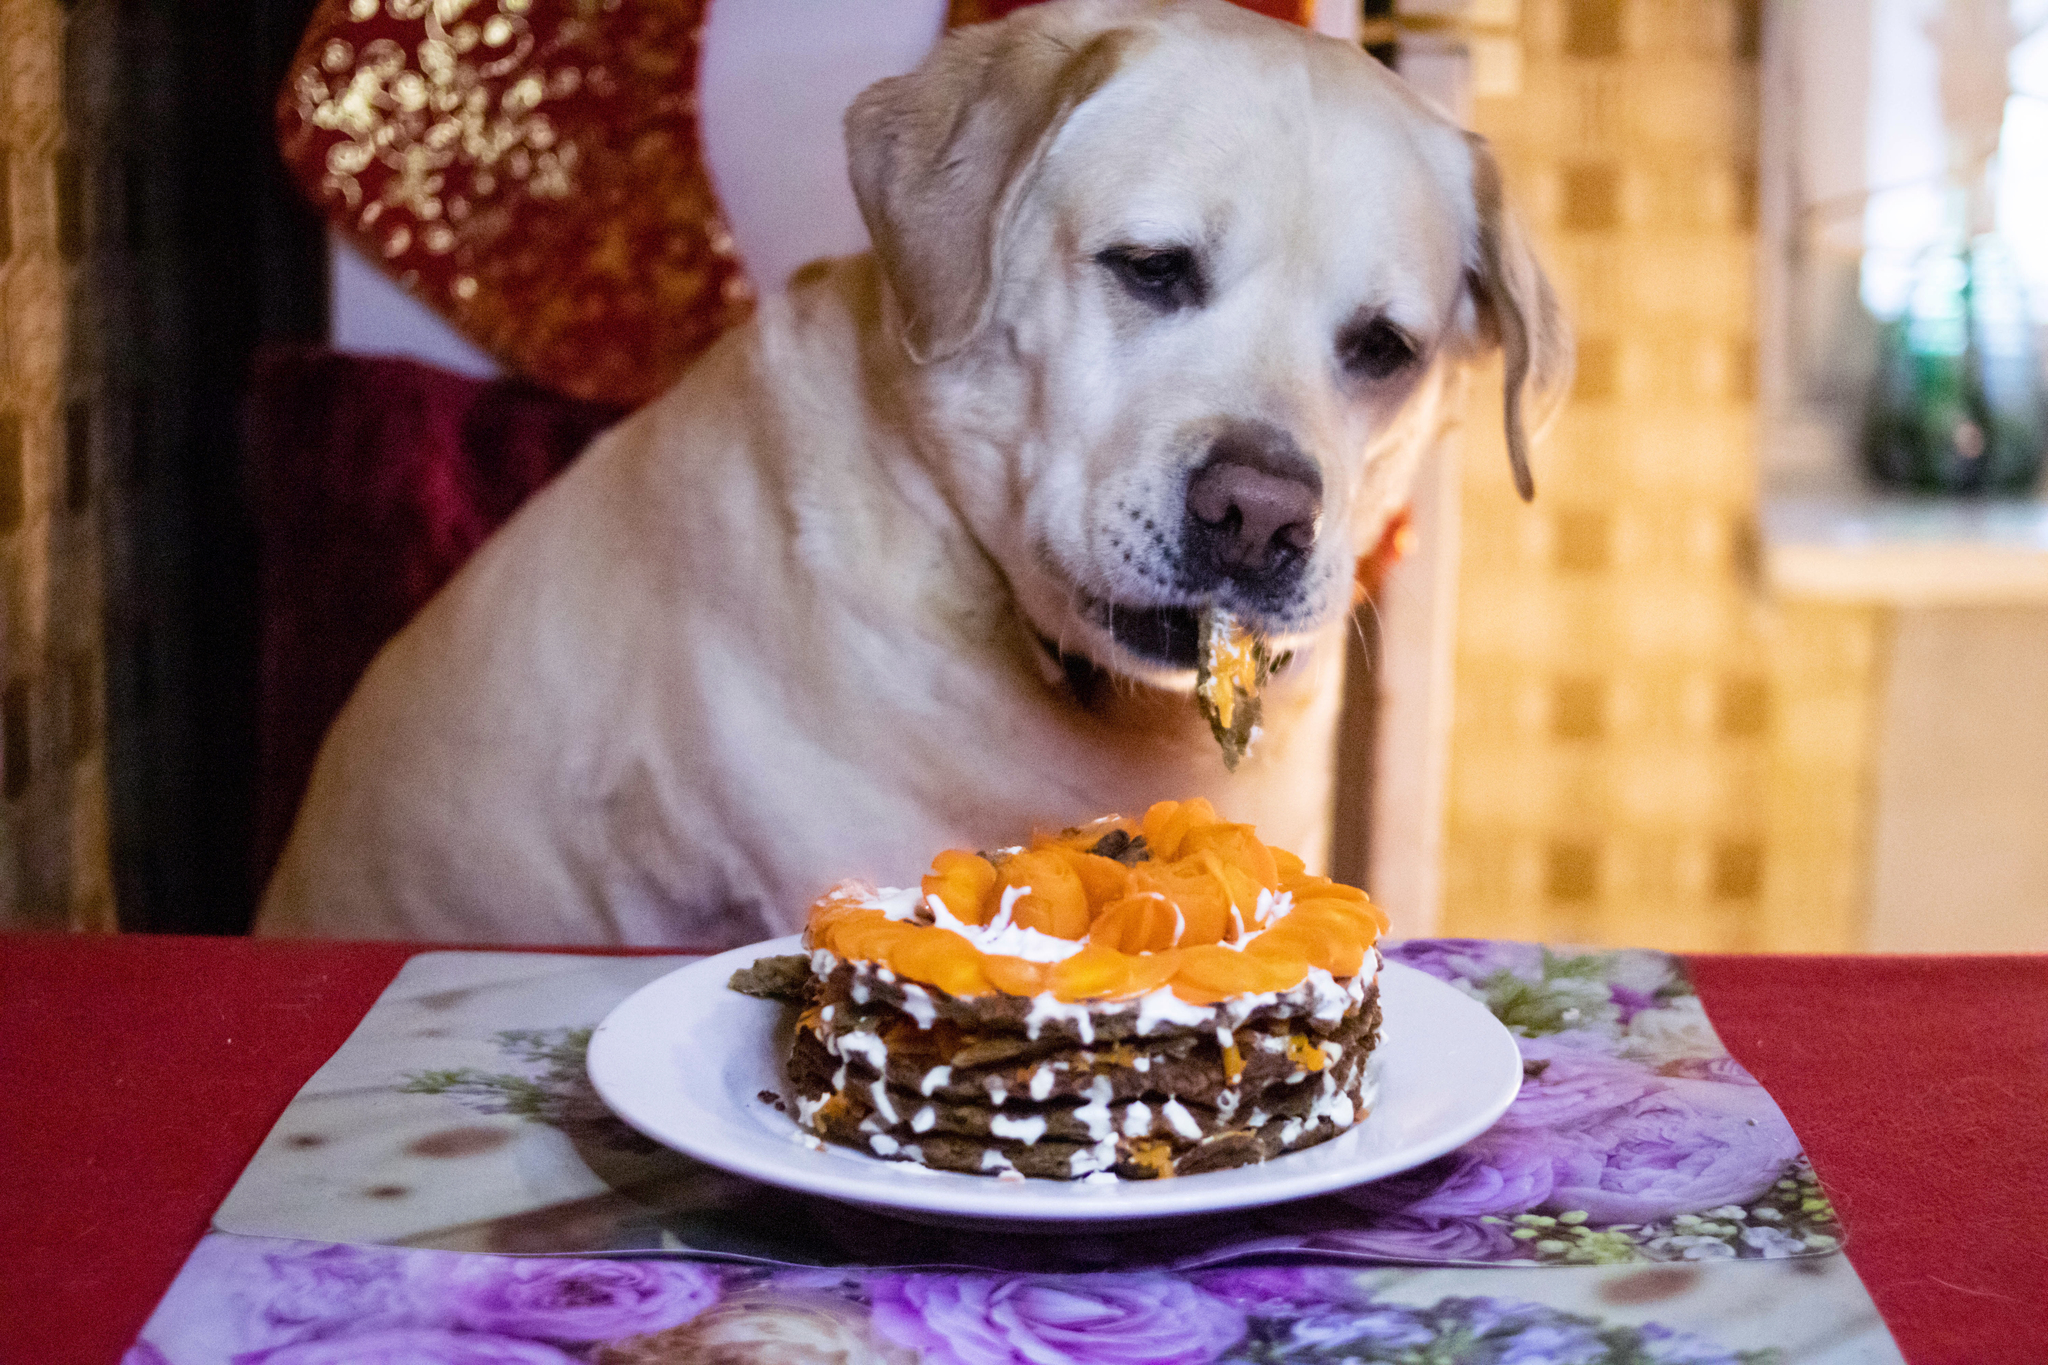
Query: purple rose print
[(565, 1300), (306, 1292), (1601, 1135), (1503, 1171), (1028, 1320), (1565, 1086), (1682, 1147), (411, 1346), (1631, 1114), (1467, 959), (1283, 1290), (1425, 1241), (142, 1353)]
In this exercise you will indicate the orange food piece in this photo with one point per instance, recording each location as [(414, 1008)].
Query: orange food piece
[(1199, 895), (1156, 1153), (941, 958), (1291, 941), (832, 908), (1239, 889), (1055, 902), (1236, 846), (1015, 975), (1144, 923), (1305, 1055), (1150, 971), (1322, 888), (962, 882), (1168, 822), (1097, 972), (1102, 878), (1369, 919), (1209, 974), (1334, 948), (868, 937)]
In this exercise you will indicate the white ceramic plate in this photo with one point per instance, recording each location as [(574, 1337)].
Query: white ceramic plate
[(684, 1060)]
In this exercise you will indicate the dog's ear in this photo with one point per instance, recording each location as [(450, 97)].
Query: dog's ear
[(1517, 312), (941, 158)]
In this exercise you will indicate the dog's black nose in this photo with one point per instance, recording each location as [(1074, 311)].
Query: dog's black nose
[(1252, 506)]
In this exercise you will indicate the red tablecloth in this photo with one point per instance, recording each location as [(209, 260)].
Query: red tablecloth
[(139, 1075)]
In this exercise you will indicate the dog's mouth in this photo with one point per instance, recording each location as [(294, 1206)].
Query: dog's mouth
[(1168, 636)]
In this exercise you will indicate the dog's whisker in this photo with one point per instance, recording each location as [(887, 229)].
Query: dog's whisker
[(1358, 625)]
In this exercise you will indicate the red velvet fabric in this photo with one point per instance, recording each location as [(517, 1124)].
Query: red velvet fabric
[(1920, 1087), (141, 1074), (374, 480)]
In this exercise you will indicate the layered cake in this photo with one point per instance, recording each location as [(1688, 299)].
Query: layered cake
[(1131, 999)]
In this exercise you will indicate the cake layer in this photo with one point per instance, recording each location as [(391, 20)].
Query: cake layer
[(991, 1099), (1320, 1002), (959, 1067), (1137, 1138)]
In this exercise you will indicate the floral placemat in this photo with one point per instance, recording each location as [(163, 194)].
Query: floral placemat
[(458, 1117), (259, 1301)]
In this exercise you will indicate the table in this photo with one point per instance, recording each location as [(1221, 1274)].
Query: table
[(140, 1074)]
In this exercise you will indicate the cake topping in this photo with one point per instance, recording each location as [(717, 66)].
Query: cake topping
[(1181, 904)]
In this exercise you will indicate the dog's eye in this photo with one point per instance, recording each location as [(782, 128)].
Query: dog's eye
[(1375, 349), (1168, 278)]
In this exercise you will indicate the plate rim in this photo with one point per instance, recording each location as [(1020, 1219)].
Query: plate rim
[(1056, 1201)]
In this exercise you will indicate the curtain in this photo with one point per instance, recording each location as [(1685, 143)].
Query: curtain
[(148, 243), (53, 798)]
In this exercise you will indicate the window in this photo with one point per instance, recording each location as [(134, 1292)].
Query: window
[(1906, 151)]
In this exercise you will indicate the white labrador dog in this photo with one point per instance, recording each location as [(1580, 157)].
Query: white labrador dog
[(1161, 295)]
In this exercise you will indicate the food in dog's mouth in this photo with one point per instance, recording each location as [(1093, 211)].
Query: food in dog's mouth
[(1229, 679), (1232, 662), (1125, 1000)]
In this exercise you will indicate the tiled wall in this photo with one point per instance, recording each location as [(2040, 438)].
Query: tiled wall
[(53, 840), (1645, 750)]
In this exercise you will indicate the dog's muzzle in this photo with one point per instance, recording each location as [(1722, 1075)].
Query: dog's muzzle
[(1249, 518)]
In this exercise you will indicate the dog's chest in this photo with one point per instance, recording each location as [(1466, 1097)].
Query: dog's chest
[(771, 790)]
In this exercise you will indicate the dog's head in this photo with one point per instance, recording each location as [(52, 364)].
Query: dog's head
[(1180, 283)]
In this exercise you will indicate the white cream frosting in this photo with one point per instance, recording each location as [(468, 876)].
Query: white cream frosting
[(887, 1111), (1095, 1113), (1179, 1119), (917, 1003), (1045, 1007), (1002, 936), (1025, 1130)]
